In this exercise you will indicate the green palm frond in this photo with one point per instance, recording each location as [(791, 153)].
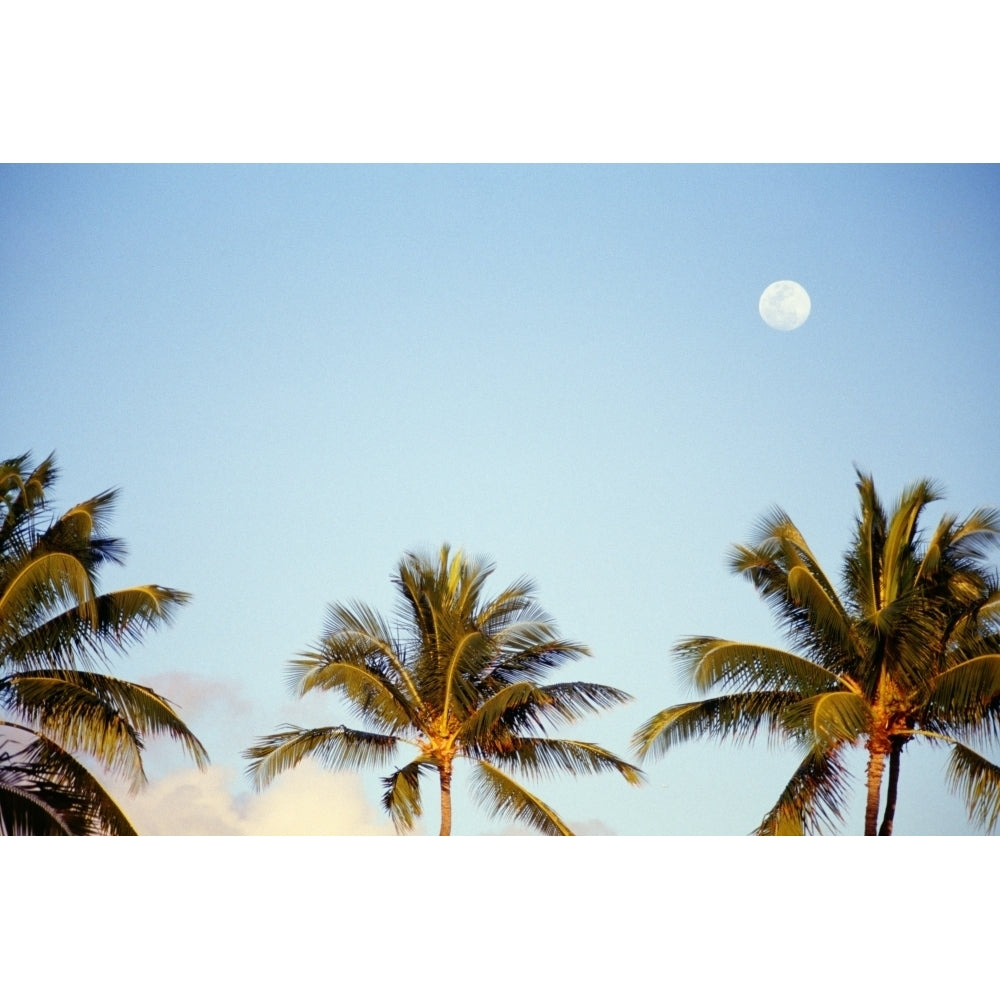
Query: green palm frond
[(333, 746), (812, 801), (828, 622), (532, 658), (75, 716), (829, 718), (372, 694), (709, 661), (35, 588), (542, 757), (504, 798), (402, 794), (45, 791), (520, 708), (80, 709), (966, 696), (976, 780), (115, 621), (739, 717)]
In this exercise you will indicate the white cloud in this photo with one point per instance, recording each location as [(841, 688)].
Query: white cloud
[(305, 801)]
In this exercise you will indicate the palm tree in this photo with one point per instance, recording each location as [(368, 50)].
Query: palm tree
[(909, 650), (55, 628), (458, 676)]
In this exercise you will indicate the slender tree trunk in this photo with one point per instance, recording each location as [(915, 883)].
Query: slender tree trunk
[(885, 830), (445, 771), (876, 764)]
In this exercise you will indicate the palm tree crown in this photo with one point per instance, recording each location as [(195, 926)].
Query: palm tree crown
[(54, 628), (458, 676), (909, 649)]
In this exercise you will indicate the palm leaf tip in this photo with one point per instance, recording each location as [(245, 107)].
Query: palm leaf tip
[(504, 798), (977, 781)]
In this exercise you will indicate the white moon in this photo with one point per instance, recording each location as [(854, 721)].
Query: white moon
[(784, 305)]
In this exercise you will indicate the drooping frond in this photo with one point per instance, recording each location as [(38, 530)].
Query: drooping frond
[(357, 658), (708, 661), (541, 757), (976, 780), (402, 794), (333, 746), (528, 653), (965, 697), (737, 717), (504, 798), (45, 791), (98, 714), (812, 801), (36, 588), (522, 708), (788, 577), (115, 622), (829, 719)]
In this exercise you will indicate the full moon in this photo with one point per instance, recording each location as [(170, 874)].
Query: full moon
[(784, 305)]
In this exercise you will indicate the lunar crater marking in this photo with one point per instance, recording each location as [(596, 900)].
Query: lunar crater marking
[(785, 305)]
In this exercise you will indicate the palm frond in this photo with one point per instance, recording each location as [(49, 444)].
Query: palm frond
[(41, 586), (505, 799), (966, 696), (364, 681), (521, 708), (116, 621), (45, 791), (708, 661), (402, 794), (829, 718), (976, 780), (333, 746), (542, 757), (529, 656), (812, 801), (98, 714), (737, 717)]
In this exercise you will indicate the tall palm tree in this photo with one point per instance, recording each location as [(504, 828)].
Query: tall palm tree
[(57, 700), (457, 676), (909, 650)]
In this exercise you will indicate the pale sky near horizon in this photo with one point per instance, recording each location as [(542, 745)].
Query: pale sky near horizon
[(295, 374)]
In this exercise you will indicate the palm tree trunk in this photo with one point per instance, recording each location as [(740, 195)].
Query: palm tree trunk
[(876, 764), (885, 830), (445, 771)]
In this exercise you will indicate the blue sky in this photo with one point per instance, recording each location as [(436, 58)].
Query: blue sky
[(295, 374)]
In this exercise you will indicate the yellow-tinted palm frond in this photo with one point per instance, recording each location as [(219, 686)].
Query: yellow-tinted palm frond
[(40, 586), (812, 801), (710, 662), (401, 799), (542, 757), (965, 697), (738, 717), (333, 746), (504, 798), (976, 780), (45, 791), (829, 718)]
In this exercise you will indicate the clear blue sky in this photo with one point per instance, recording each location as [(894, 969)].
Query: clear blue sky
[(295, 374)]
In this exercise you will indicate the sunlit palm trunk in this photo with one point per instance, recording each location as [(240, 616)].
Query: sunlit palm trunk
[(445, 771), (885, 830), (876, 764)]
